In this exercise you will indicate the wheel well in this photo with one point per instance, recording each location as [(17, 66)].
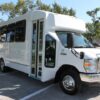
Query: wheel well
[(62, 69), (2, 59)]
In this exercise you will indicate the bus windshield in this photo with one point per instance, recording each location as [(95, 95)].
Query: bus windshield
[(77, 40)]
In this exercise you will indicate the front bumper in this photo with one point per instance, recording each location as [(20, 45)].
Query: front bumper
[(90, 77)]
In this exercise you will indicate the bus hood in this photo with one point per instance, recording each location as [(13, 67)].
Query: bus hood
[(90, 53)]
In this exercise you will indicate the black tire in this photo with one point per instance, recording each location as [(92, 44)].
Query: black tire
[(2, 66), (70, 87)]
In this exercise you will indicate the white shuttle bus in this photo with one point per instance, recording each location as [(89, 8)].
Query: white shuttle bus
[(48, 46)]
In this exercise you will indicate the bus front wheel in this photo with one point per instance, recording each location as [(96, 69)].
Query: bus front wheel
[(70, 82)]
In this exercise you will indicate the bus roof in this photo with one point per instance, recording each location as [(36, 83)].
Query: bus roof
[(53, 21), (65, 22)]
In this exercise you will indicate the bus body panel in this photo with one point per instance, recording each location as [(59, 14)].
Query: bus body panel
[(67, 59), (18, 55)]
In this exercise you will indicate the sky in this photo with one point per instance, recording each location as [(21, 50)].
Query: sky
[(80, 6)]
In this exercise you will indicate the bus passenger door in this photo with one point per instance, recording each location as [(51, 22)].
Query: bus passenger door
[(34, 42), (37, 44)]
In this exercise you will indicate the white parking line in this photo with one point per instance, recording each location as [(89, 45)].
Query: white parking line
[(37, 92)]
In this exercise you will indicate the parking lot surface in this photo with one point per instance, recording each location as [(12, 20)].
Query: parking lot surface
[(15, 85)]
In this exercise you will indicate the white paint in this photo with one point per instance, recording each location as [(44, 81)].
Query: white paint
[(18, 55)]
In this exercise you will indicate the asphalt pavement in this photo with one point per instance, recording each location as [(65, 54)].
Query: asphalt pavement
[(15, 85)]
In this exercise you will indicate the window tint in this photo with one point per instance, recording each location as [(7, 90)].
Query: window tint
[(11, 32), (80, 41), (14, 32), (20, 31), (3, 31), (63, 38), (50, 51), (41, 36), (34, 36)]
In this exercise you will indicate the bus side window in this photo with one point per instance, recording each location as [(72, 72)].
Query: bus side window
[(11, 32), (50, 52), (20, 31), (3, 31), (16, 31)]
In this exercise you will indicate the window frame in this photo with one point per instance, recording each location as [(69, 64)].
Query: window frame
[(45, 51), (13, 27), (85, 39), (3, 32), (69, 40), (22, 22)]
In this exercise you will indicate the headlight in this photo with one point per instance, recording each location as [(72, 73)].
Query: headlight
[(90, 65)]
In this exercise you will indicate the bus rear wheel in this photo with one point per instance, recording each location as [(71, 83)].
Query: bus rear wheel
[(70, 82), (2, 66)]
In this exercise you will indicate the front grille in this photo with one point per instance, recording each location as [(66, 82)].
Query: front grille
[(98, 69)]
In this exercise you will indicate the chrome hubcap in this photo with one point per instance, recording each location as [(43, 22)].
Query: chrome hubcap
[(68, 83)]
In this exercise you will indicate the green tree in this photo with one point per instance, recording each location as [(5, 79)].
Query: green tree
[(62, 10), (43, 6), (90, 27), (94, 27), (22, 6), (90, 33), (93, 14), (7, 8), (56, 8), (97, 29), (72, 12)]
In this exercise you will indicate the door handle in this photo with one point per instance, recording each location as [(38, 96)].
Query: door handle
[(63, 52)]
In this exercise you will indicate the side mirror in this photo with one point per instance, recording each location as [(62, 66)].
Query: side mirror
[(81, 55)]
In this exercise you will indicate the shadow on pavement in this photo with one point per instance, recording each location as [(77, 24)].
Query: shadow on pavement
[(15, 85), (88, 91)]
